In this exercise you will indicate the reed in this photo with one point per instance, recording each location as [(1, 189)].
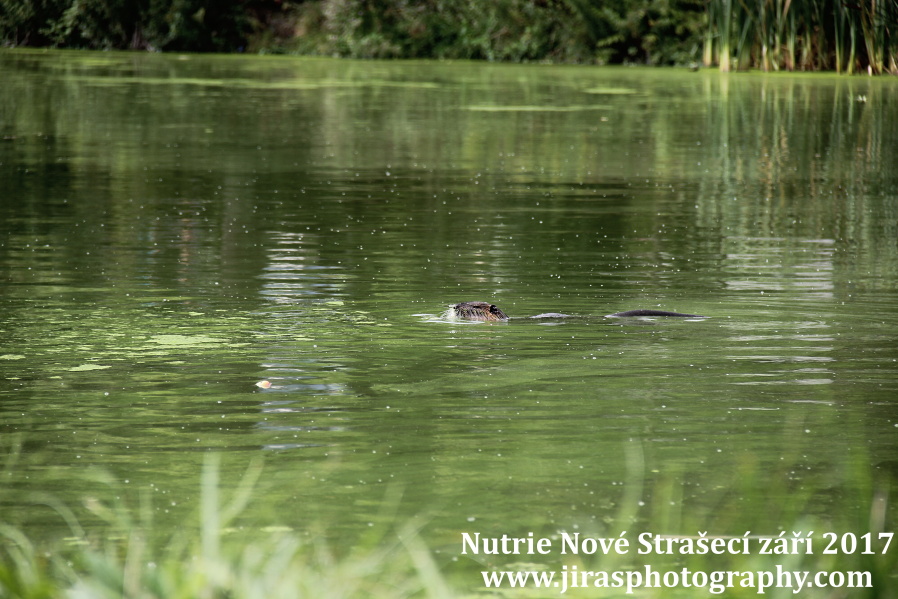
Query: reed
[(773, 35), (725, 27)]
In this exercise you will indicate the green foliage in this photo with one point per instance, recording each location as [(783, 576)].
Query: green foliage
[(636, 31), (23, 572), (197, 25), (732, 34), (22, 21), (218, 561), (644, 31), (210, 560), (509, 30), (94, 25)]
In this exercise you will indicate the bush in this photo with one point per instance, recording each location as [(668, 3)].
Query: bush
[(819, 34), (184, 25)]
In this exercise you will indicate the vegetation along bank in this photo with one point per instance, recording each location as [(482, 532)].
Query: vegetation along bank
[(848, 37)]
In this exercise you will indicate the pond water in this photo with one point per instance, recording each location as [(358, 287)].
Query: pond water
[(175, 229)]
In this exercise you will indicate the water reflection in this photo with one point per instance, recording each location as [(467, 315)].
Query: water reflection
[(174, 231), (779, 265), (294, 272)]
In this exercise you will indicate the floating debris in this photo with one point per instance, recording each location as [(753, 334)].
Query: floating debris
[(85, 367)]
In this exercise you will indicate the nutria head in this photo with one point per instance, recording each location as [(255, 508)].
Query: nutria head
[(478, 311)]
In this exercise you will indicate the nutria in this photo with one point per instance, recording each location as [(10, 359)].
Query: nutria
[(477, 311), (490, 312)]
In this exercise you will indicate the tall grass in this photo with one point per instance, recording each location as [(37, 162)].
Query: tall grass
[(395, 564), (126, 564), (773, 35)]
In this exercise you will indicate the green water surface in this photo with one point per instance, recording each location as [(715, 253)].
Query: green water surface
[(175, 229)]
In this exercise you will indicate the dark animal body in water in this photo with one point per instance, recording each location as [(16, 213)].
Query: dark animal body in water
[(486, 311), (478, 311)]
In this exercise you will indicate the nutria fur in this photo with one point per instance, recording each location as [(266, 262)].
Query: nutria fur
[(652, 313), (478, 311), (490, 312)]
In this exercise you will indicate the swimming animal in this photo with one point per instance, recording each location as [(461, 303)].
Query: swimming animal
[(486, 311), (478, 311)]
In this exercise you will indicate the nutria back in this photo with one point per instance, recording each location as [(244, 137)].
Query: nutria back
[(486, 311), (651, 313)]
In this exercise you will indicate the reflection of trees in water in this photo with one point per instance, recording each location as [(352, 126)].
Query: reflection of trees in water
[(244, 149)]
